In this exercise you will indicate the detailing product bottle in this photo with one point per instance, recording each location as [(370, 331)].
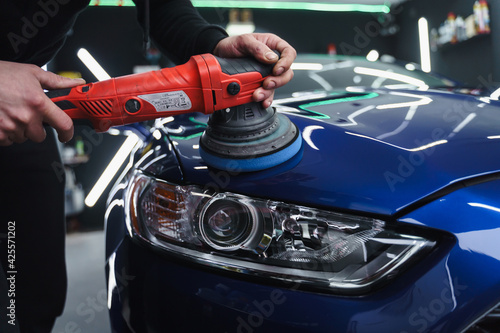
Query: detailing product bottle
[(478, 14), (486, 15)]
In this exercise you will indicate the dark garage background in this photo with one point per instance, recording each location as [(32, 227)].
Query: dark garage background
[(113, 36)]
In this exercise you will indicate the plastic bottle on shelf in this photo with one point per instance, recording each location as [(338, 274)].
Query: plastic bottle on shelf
[(460, 28), (486, 15), (479, 19), (332, 49), (452, 28)]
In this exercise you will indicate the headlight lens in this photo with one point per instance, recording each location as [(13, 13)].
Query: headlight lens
[(339, 252)]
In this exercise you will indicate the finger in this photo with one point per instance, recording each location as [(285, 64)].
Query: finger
[(50, 80), (5, 141), (35, 132), (59, 120), (17, 136), (288, 56), (256, 46), (12, 131), (273, 82), (19, 139), (268, 101), (287, 52), (260, 94)]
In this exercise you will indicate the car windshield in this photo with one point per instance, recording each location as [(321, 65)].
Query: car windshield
[(320, 73)]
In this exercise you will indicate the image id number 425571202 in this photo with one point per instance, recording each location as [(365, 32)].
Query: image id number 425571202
[(11, 272)]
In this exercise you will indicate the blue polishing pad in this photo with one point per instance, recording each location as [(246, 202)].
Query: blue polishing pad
[(253, 164)]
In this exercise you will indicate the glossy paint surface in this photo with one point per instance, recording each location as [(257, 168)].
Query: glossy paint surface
[(472, 215), (370, 152), (375, 152)]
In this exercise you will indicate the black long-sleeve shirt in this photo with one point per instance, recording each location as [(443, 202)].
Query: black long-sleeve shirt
[(32, 31)]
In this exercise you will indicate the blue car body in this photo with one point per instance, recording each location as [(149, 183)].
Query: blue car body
[(424, 160)]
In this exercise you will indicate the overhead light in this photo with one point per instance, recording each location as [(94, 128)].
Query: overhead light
[(317, 6), (240, 22), (390, 75), (419, 100), (474, 204), (239, 28), (92, 64), (495, 95), (464, 122), (372, 55), (127, 146), (306, 66), (157, 134), (111, 170), (425, 54), (307, 132), (429, 145), (410, 67), (256, 4)]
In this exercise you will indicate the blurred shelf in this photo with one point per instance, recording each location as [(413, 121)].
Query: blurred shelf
[(466, 42)]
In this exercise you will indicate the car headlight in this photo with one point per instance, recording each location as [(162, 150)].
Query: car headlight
[(338, 252)]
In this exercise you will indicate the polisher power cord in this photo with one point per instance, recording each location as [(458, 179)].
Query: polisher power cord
[(204, 84)]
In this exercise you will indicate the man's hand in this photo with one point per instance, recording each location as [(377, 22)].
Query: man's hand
[(24, 107), (261, 47)]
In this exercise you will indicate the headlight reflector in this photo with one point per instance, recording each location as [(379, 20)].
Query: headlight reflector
[(230, 223), (272, 239)]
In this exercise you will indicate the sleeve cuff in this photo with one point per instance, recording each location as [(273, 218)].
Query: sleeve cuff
[(208, 39)]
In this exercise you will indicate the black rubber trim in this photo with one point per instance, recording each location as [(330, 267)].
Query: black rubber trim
[(58, 92), (65, 105), (244, 65), (445, 191)]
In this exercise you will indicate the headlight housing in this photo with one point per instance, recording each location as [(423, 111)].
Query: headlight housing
[(338, 252)]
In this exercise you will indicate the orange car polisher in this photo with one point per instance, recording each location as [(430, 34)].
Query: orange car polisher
[(238, 130)]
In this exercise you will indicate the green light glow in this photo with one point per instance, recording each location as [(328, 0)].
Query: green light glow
[(318, 115), (123, 3), (255, 4), (199, 123), (329, 7), (187, 137)]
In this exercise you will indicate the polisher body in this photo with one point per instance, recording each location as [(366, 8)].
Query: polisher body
[(203, 84), (240, 131)]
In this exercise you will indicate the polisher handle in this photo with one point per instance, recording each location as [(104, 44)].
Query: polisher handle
[(203, 84), (234, 80)]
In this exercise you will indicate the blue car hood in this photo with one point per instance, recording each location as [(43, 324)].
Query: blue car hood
[(375, 151)]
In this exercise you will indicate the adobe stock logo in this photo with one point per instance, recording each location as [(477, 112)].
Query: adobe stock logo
[(32, 25)]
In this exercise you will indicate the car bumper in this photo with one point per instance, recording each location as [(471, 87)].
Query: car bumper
[(151, 291)]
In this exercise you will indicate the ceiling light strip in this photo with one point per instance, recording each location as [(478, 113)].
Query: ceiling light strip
[(425, 54), (315, 6), (111, 170)]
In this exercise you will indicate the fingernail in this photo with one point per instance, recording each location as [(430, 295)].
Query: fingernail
[(271, 55), (280, 71), (271, 85)]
